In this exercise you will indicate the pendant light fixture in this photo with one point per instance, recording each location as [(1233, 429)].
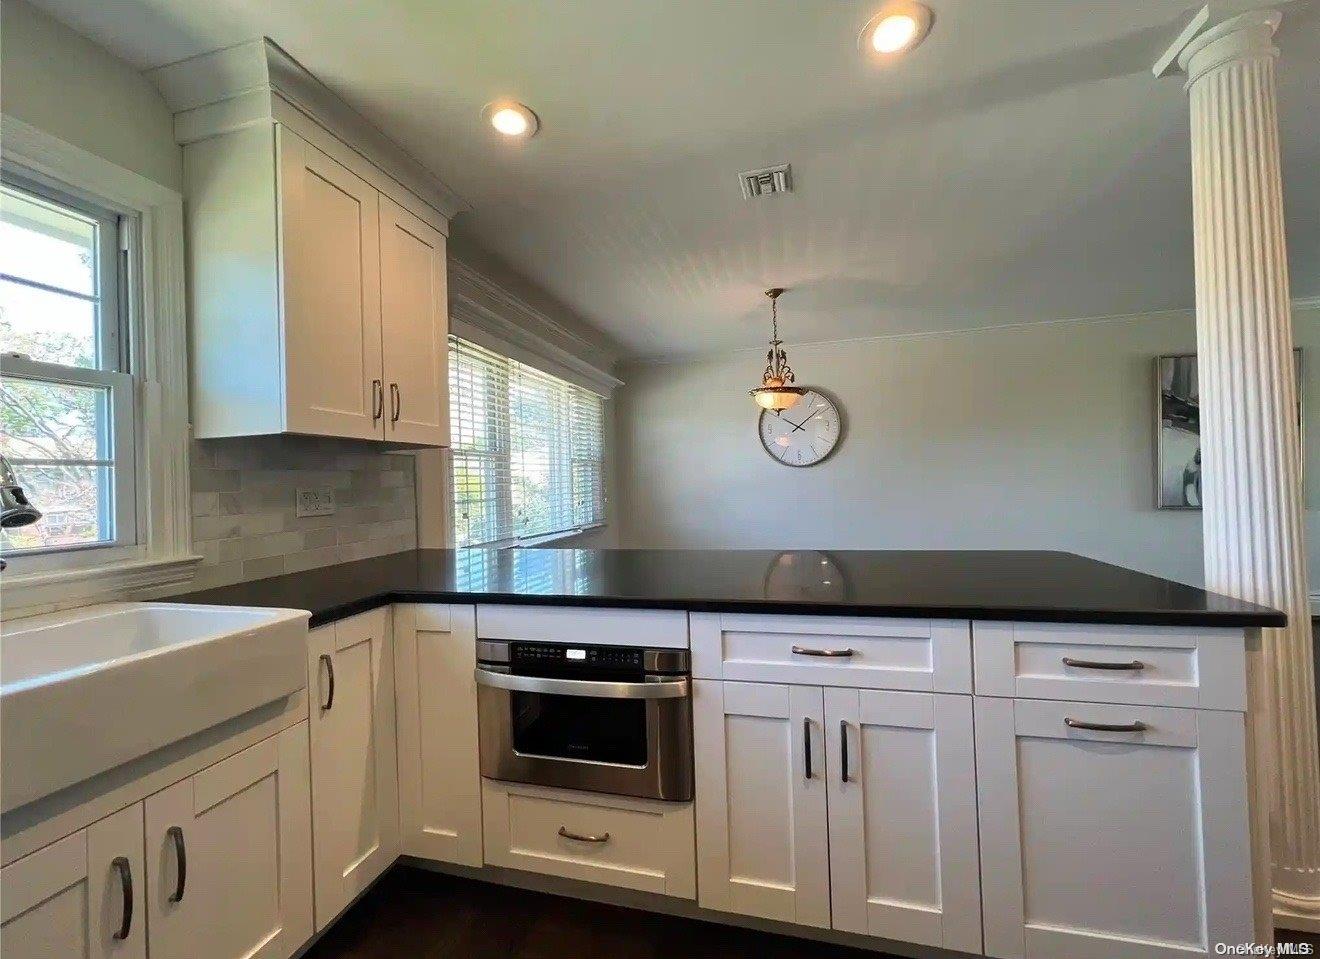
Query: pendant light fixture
[(776, 391)]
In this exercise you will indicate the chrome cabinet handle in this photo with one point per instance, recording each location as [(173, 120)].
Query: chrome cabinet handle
[(181, 855), (583, 837), (843, 750), (125, 870), (806, 745), (329, 664), (377, 400), (1135, 727), (396, 402), (675, 688), (832, 653), (1133, 666)]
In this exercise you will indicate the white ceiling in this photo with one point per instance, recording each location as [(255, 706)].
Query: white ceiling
[(1021, 165)]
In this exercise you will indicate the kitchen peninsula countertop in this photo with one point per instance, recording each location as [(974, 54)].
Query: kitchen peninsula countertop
[(1022, 586)]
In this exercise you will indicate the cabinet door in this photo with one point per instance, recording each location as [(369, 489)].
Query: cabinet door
[(414, 301), (902, 800), (75, 897), (355, 800), (762, 844), (330, 262), (1109, 844), (439, 765), (229, 856)]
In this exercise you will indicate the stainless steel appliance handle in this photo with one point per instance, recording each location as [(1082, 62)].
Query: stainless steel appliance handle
[(832, 653), (668, 688), (1133, 666), (1135, 727)]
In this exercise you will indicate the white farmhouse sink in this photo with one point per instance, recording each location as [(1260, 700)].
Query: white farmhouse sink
[(87, 690)]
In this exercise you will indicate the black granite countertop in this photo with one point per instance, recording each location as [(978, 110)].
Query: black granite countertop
[(1022, 586)]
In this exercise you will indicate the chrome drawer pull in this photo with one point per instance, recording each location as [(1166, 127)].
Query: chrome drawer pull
[(1133, 666), (833, 653), (580, 837), (1135, 727)]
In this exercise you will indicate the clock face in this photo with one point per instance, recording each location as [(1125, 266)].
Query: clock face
[(803, 435)]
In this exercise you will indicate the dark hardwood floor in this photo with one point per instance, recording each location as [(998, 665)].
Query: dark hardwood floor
[(415, 914)]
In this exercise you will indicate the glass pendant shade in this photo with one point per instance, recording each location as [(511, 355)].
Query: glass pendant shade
[(777, 397), (776, 391)]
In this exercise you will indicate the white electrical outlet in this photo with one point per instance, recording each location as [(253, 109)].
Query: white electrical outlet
[(314, 502)]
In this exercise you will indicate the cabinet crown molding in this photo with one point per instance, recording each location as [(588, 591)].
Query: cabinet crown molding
[(235, 87)]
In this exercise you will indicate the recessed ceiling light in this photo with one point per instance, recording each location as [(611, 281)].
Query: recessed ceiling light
[(511, 118), (898, 27)]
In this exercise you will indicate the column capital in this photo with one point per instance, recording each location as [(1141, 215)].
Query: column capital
[(1219, 33)]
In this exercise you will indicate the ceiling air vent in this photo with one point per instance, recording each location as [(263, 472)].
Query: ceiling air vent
[(773, 179)]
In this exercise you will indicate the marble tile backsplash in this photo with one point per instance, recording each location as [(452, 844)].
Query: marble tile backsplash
[(243, 493)]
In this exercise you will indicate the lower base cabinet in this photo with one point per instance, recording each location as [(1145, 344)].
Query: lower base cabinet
[(762, 832), (1110, 844), (229, 856), (355, 799), (902, 812), (435, 656), (851, 809), (617, 841), (83, 896)]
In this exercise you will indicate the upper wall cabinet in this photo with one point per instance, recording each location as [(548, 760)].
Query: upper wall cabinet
[(316, 259)]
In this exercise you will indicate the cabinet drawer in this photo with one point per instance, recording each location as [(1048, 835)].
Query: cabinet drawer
[(663, 628), (904, 654), (1157, 665), (651, 845)]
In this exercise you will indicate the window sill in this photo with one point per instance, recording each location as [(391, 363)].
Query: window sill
[(27, 594), (543, 540)]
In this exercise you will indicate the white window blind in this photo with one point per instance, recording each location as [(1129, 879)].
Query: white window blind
[(527, 450)]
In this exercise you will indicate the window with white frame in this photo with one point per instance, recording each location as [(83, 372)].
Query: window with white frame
[(66, 387), (527, 450)]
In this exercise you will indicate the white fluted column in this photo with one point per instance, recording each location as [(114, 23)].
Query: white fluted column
[(1251, 458)]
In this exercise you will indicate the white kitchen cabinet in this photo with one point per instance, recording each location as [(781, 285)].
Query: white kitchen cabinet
[(318, 302), (330, 235), (414, 309), (229, 856), (439, 764), (618, 841), (1111, 844), (851, 651), (355, 800), (762, 833), (902, 817), (82, 896)]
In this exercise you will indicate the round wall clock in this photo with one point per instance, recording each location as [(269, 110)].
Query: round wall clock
[(803, 435)]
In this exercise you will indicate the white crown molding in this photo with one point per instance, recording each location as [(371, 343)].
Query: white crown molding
[(478, 302), (227, 89)]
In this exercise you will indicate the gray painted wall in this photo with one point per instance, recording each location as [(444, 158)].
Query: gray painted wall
[(1030, 438), (62, 83)]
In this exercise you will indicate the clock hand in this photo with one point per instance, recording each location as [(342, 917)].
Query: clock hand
[(798, 426)]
